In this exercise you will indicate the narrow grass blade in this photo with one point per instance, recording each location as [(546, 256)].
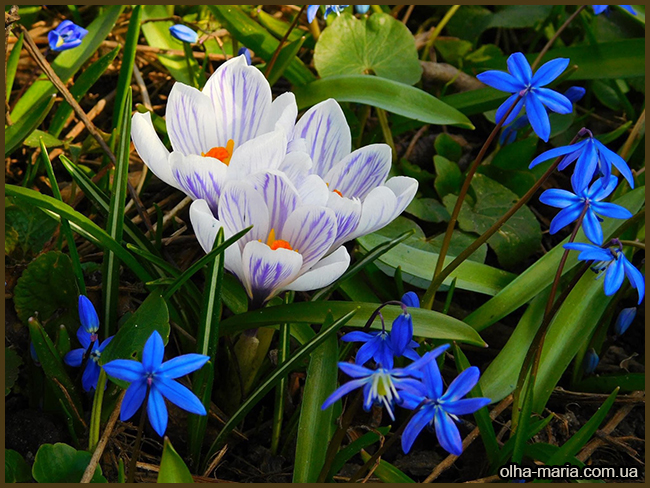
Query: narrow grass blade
[(126, 71), (354, 448), (386, 472), (12, 64), (17, 133), (284, 348), (284, 59)]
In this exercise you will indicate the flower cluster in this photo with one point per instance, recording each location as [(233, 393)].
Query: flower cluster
[(246, 161), (312, 10), (66, 36), (417, 386)]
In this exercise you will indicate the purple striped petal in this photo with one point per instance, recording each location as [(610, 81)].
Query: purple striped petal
[(554, 100), (241, 98), (519, 67), (327, 135), (313, 191), (182, 365), (157, 411), (150, 148), (311, 231), (280, 196), (133, 398), (180, 396), (153, 352), (260, 154), (191, 124), (199, 177), (282, 115), (323, 273), (348, 214), (242, 206), (379, 209), (361, 171), (549, 71)]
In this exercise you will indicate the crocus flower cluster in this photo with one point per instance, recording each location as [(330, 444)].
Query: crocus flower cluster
[(416, 386), (246, 161), (66, 36)]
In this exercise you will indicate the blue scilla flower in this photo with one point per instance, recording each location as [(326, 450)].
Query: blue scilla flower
[(520, 81), (74, 358), (509, 133), (88, 317), (573, 205), (313, 9), (66, 36), (155, 378), (440, 410), (383, 386), (599, 9), (624, 320), (592, 157), (612, 262), (183, 33), (590, 361)]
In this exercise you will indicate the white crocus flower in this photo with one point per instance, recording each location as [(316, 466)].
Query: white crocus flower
[(361, 197), (229, 130), (288, 245)]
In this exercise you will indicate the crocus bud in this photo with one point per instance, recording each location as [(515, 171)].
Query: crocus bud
[(591, 361), (66, 36), (624, 320), (183, 33)]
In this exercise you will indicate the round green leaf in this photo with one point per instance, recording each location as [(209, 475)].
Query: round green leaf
[(377, 44), (61, 463)]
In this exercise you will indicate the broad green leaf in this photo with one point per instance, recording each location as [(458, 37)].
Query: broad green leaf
[(428, 209), (517, 239), (16, 469), (378, 44), (541, 274), (29, 227), (603, 383), (47, 286), (284, 60), (61, 463), (12, 367), (279, 28), (389, 95), (448, 176), (17, 133), (68, 62), (316, 426), (172, 467), (426, 323), (252, 35)]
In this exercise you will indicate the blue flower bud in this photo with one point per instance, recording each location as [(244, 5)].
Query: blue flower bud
[(183, 33), (624, 320), (401, 333), (361, 9), (66, 36), (575, 93), (88, 315), (246, 52), (591, 361), (410, 299)]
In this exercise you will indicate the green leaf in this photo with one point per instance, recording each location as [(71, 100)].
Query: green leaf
[(428, 209), (46, 286), (17, 133), (625, 382), (16, 469), (316, 426), (34, 139), (447, 147), (172, 467), (124, 81), (448, 176), (68, 62), (80, 87), (378, 44), (389, 95), (516, 239), (12, 367), (252, 35), (12, 64), (541, 274), (354, 447), (29, 227), (61, 463), (519, 16), (426, 323), (386, 472), (418, 255), (279, 28), (285, 57)]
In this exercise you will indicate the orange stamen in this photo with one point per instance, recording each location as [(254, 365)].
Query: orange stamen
[(338, 193), (223, 154), (274, 243)]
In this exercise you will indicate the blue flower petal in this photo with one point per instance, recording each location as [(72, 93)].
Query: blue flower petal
[(465, 406), (415, 426), (565, 217), (538, 117), (179, 395), (90, 376), (182, 365), (125, 369), (343, 390), (361, 9), (410, 299), (554, 100), (359, 336), (575, 93), (312, 10), (366, 352), (549, 71), (614, 277), (88, 315), (602, 188), (183, 33), (501, 81), (133, 399), (74, 358), (462, 385), (106, 342), (589, 252), (555, 153), (354, 370), (447, 433), (153, 352), (401, 333), (611, 158), (585, 167), (592, 228), (83, 336), (505, 106), (432, 380), (624, 320), (636, 278), (157, 411), (599, 9), (519, 67), (611, 210), (558, 198)]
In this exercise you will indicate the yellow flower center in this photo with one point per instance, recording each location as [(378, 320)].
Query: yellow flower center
[(274, 243), (223, 154)]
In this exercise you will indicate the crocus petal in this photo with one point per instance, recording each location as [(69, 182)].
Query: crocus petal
[(313, 191), (538, 117), (592, 228), (636, 278), (125, 369), (360, 172), (619, 163), (157, 411), (199, 177), (182, 365), (133, 398), (343, 390), (466, 406), (447, 433), (505, 107), (614, 277), (348, 215), (501, 81), (90, 376), (462, 385), (266, 271), (282, 115), (556, 152), (260, 154), (410, 299), (611, 210), (74, 358), (279, 195), (191, 123), (153, 352), (180, 396), (415, 426), (324, 273), (554, 100), (311, 231), (151, 149), (241, 96), (566, 216), (549, 71), (558, 198), (519, 67), (404, 189), (327, 135), (242, 206)]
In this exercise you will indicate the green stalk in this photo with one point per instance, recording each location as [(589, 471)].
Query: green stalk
[(96, 414), (436, 32), (385, 128), (189, 56), (283, 355), (126, 71), (65, 225)]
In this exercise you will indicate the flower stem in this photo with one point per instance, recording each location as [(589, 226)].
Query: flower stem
[(637, 244), (552, 40), (315, 29), (283, 354), (138, 439), (427, 301), (436, 32), (385, 128), (189, 57), (282, 41), (96, 415)]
